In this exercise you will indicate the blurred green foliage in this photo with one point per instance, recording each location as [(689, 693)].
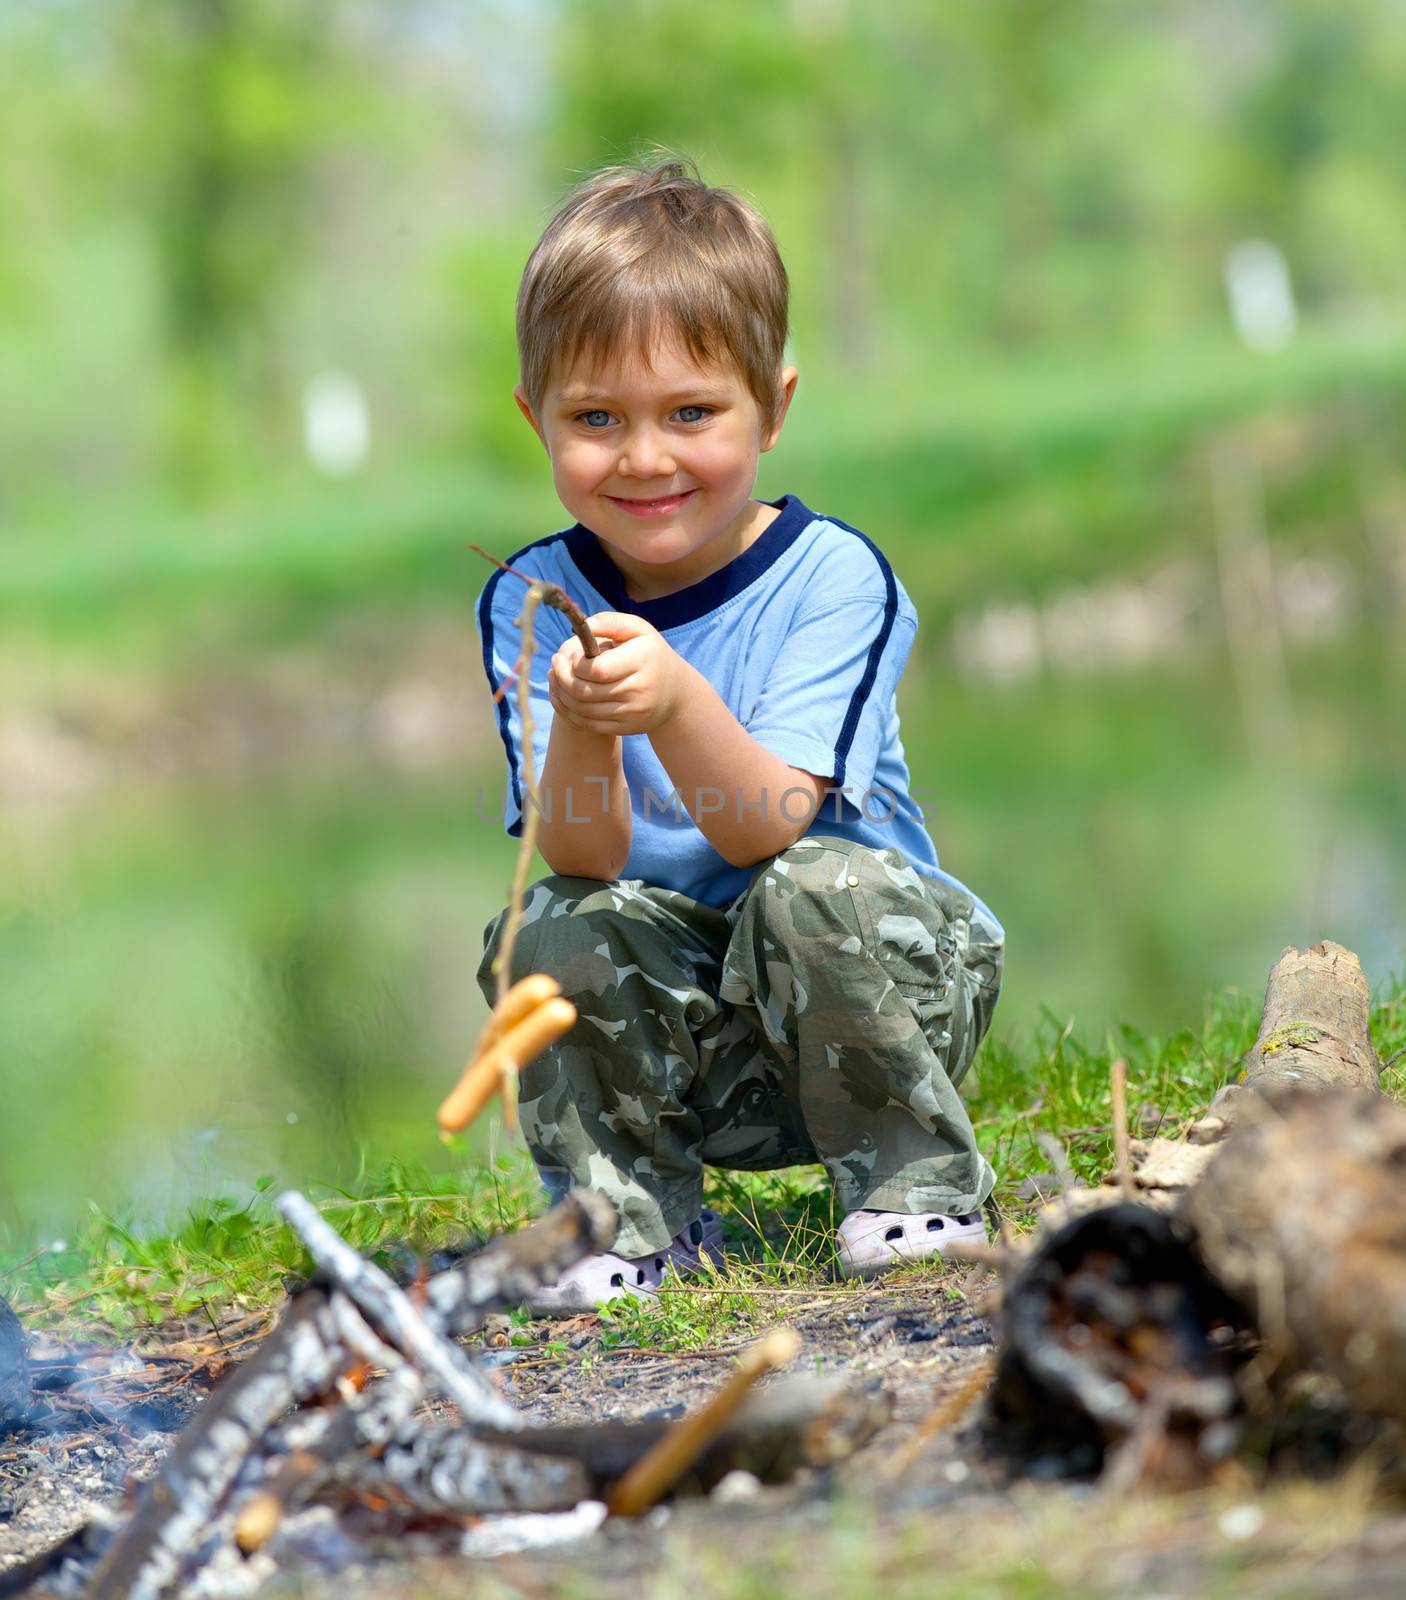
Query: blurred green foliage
[(203, 203), (1007, 224)]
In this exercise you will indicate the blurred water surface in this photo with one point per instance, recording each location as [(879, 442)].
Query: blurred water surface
[(206, 985)]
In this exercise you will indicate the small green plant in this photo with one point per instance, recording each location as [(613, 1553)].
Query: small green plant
[(684, 1316)]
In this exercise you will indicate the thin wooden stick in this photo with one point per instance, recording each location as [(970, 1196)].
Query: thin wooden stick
[(539, 592), (947, 1411), (555, 596), (1121, 1153), (653, 1476)]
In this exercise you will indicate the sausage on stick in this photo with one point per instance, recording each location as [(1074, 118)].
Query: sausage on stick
[(509, 1053)]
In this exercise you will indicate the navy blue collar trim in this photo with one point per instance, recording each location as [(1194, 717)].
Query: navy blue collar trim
[(687, 605)]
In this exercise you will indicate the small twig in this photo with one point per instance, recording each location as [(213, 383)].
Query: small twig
[(998, 1257), (1121, 1153), (507, 682), (532, 811), (1059, 1160), (214, 1326), (941, 1417), (1391, 1061), (1128, 1465), (557, 598), (661, 1468), (29, 1260)]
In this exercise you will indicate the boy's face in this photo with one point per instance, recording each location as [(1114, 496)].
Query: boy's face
[(659, 461)]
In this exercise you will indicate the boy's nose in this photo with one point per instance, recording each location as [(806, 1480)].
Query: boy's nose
[(646, 455)]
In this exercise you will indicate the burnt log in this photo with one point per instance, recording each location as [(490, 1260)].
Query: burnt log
[(798, 1422), (14, 1368), (323, 1333), (1302, 1216), (394, 1317), (1115, 1345)]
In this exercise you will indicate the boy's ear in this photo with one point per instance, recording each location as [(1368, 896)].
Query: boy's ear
[(525, 406), (788, 390)]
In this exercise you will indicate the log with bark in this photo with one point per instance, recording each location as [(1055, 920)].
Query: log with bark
[(1302, 1215), (1313, 1035), (1302, 1212)]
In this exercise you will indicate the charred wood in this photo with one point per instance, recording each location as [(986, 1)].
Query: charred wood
[(507, 1271), (14, 1366), (301, 1358), (452, 1472), (1302, 1215), (395, 1318), (323, 1331), (1111, 1322), (797, 1422)]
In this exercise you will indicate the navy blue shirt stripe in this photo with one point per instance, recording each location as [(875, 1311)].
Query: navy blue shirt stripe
[(865, 686)]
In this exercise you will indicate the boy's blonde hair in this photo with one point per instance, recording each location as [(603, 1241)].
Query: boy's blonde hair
[(639, 252)]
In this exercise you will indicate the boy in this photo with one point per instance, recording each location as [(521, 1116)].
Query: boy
[(769, 966)]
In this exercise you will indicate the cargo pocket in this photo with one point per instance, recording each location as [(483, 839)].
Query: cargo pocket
[(909, 932)]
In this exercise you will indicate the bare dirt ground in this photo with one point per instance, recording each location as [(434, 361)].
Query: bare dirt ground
[(949, 1523)]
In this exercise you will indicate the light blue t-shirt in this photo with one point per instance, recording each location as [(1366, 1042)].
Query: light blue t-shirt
[(804, 636)]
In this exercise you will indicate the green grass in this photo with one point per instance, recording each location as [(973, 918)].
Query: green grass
[(231, 1256)]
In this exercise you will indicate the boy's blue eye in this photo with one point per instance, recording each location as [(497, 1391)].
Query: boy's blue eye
[(595, 419), (701, 412)]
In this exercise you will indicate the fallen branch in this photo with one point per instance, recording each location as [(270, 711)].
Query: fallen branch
[(803, 1421), (951, 1408), (652, 1478)]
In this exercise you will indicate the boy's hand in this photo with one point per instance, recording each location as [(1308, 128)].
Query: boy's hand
[(635, 685)]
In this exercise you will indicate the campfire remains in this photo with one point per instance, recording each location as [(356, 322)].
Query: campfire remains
[(1154, 1331), (298, 1418), (1129, 1333)]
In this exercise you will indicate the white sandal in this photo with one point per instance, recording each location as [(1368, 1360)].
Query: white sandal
[(870, 1242), (596, 1279)]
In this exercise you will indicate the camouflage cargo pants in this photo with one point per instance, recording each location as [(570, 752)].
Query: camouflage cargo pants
[(827, 1014)]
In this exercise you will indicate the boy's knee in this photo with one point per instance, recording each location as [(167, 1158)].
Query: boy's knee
[(829, 898), (545, 933)]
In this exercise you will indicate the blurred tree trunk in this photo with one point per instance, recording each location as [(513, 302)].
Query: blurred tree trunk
[(232, 92), (847, 242)]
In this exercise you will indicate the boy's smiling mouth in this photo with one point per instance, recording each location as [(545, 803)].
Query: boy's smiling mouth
[(662, 506)]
